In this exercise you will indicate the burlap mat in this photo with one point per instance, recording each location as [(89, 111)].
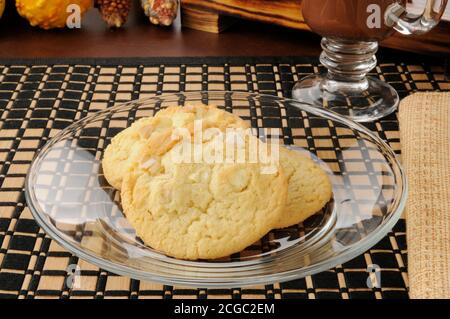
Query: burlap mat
[(425, 143)]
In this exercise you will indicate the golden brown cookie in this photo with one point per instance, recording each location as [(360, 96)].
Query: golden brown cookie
[(160, 128), (309, 187), (202, 210), (118, 152)]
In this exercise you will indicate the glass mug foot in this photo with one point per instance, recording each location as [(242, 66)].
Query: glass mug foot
[(364, 101)]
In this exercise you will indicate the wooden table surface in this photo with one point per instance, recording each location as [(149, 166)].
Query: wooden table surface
[(141, 39)]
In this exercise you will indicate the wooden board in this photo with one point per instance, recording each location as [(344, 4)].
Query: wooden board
[(205, 21), (206, 15), (437, 41), (281, 12)]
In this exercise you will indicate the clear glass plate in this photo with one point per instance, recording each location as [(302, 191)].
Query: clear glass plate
[(74, 204)]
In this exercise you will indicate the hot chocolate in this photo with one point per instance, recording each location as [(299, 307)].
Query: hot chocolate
[(350, 19)]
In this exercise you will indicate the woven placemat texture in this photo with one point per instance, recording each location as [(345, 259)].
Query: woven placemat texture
[(39, 99), (425, 135)]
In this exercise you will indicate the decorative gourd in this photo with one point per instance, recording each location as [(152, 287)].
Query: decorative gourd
[(48, 14), (114, 12), (161, 12), (2, 7)]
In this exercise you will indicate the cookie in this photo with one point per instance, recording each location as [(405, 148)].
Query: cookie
[(159, 128), (202, 210), (118, 152), (309, 187)]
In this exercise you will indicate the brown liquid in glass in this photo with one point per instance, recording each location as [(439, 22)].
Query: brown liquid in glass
[(347, 19)]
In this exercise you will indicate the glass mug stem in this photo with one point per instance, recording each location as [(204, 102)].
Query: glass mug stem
[(348, 63)]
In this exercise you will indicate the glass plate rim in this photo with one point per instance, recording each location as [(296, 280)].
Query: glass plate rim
[(346, 255)]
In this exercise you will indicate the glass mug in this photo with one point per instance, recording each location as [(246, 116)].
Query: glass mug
[(351, 30)]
